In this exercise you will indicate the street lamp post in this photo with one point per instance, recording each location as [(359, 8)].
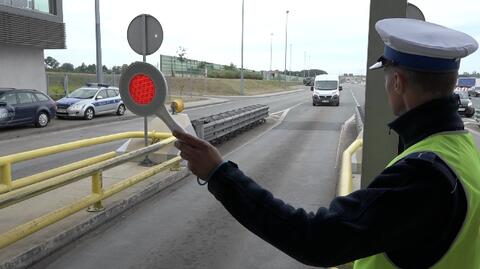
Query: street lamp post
[(286, 38), (99, 42), (271, 47), (241, 68), (290, 67)]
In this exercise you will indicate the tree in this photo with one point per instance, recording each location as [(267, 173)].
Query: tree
[(231, 67), (181, 52), (81, 68), (51, 63), (67, 67), (91, 69), (106, 70)]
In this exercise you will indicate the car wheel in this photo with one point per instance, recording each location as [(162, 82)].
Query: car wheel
[(313, 103), (89, 114), (121, 110), (42, 119)]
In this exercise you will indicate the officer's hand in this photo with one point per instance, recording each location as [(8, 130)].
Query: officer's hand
[(202, 157)]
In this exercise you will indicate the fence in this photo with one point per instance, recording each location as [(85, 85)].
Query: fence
[(57, 82)]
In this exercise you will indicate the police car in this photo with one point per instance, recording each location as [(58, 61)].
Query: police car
[(93, 99)]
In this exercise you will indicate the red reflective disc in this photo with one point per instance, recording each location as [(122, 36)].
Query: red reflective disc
[(142, 89)]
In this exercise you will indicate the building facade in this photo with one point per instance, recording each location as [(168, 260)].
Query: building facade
[(27, 27)]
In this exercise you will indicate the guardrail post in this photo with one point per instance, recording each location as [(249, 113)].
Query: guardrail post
[(6, 175), (176, 167), (97, 188)]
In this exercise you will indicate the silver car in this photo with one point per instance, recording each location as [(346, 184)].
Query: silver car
[(94, 99)]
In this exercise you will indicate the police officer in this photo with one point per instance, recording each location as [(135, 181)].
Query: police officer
[(422, 211)]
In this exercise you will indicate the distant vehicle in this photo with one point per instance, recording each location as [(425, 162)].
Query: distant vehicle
[(326, 90), (25, 107), (89, 101), (308, 81), (465, 106), (470, 85)]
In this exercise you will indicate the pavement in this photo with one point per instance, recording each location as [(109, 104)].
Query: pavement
[(40, 244)]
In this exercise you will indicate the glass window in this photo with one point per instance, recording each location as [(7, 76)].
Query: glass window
[(112, 93), (25, 97), (41, 97), (102, 93), (42, 5), (9, 98)]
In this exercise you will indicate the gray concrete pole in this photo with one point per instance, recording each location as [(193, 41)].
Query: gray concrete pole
[(241, 68), (286, 38), (379, 144), (271, 48), (99, 42)]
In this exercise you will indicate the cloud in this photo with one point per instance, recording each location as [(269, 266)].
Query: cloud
[(333, 34)]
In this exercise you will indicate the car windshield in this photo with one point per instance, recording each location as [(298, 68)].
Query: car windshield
[(326, 85), (83, 93)]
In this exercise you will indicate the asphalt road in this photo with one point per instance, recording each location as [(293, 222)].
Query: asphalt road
[(9, 146), (185, 227)]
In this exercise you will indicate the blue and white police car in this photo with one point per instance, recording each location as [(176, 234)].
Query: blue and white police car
[(93, 99)]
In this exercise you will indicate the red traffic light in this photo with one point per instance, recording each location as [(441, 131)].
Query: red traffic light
[(142, 89)]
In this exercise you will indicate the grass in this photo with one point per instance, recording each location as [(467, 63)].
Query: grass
[(185, 87)]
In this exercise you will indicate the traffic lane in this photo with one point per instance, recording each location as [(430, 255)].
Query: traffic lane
[(184, 227), (31, 167), (275, 103), (62, 124)]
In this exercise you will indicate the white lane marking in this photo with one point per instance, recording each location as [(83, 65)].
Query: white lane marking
[(282, 117), (207, 106), (355, 99)]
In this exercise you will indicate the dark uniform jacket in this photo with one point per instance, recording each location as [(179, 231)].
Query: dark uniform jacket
[(411, 211)]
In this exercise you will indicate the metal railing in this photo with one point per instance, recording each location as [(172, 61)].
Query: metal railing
[(345, 182), (226, 124), (14, 192)]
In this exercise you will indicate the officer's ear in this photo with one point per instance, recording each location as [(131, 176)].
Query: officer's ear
[(399, 82)]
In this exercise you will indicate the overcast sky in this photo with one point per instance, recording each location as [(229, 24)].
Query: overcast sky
[(333, 34)]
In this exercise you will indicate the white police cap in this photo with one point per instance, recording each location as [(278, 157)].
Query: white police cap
[(422, 46)]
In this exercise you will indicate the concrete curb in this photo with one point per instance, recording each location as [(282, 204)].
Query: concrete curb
[(45, 248), (347, 135)]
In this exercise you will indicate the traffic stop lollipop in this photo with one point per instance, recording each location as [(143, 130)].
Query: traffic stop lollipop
[(144, 89)]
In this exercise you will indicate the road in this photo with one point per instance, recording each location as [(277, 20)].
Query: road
[(185, 227), (10, 146)]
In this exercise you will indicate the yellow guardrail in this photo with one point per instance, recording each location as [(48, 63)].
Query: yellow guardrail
[(345, 183), (7, 184), (93, 167)]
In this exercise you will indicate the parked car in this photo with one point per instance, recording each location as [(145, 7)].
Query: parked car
[(24, 107), (465, 105), (91, 100)]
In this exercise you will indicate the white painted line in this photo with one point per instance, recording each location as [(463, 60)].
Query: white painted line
[(355, 99), (284, 115)]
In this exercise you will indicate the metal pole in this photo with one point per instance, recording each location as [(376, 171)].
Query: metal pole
[(304, 63), (99, 42), (241, 68), (271, 48), (146, 161), (290, 60), (286, 38)]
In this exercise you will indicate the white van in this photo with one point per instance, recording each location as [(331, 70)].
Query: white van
[(326, 90)]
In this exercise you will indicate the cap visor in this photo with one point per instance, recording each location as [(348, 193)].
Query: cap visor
[(377, 65)]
